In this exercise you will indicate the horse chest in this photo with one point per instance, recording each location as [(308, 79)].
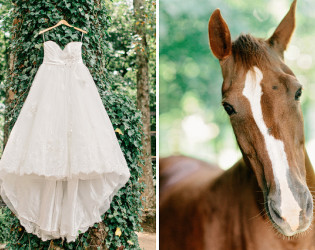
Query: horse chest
[(240, 228)]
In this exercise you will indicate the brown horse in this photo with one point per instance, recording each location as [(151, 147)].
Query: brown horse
[(265, 200)]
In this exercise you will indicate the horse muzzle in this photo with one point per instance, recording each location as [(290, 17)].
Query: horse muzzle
[(291, 218)]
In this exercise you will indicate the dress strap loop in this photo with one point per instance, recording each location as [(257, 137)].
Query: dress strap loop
[(81, 37), (43, 37)]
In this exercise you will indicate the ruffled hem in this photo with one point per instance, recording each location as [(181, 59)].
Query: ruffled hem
[(53, 209), (80, 175)]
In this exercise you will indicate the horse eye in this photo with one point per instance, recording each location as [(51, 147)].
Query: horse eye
[(229, 108), (298, 94)]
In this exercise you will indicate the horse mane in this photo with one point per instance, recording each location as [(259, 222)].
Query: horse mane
[(249, 51)]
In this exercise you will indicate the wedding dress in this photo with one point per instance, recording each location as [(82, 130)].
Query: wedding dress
[(62, 163)]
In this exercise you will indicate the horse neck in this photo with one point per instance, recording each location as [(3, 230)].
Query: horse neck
[(241, 176), (238, 186)]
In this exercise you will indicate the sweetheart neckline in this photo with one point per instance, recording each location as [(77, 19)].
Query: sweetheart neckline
[(65, 45)]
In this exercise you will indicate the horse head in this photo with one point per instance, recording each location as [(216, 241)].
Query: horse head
[(261, 95)]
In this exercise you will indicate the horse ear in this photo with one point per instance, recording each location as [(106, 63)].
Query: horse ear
[(219, 36), (282, 35)]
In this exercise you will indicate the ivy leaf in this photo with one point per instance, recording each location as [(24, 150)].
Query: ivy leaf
[(118, 232), (38, 46), (130, 242), (119, 131)]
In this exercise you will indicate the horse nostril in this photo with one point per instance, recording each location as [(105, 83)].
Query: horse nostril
[(275, 212)]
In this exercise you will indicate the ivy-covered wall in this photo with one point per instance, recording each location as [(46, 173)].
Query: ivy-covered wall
[(28, 17)]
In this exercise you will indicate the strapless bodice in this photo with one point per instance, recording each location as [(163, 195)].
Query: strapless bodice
[(71, 53)]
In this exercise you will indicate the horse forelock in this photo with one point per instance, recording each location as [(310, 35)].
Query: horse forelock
[(249, 51)]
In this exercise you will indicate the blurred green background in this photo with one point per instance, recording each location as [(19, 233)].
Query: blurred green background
[(192, 121)]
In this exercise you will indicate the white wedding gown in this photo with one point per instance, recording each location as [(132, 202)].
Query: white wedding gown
[(62, 164)]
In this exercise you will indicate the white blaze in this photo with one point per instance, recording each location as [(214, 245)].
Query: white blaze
[(290, 209)]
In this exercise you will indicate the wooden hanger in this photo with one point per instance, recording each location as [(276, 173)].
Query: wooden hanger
[(59, 23)]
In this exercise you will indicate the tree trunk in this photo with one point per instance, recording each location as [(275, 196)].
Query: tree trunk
[(143, 101)]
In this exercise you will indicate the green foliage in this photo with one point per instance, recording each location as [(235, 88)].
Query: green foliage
[(5, 224), (27, 48), (124, 116), (122, 61), (122, 57), (4, 43), (122, 40)]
